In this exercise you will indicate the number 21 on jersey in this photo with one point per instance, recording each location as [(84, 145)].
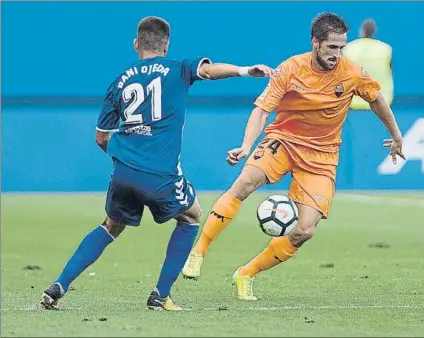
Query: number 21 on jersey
[(134, 95)]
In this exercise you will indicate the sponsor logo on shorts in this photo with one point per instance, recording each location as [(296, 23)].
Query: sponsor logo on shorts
[(258, 154), (320, 199)]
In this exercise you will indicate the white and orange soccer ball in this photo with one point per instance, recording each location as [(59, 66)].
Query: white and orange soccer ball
[(277, 215)]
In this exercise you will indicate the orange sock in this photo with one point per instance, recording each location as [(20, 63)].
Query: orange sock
[(223, 212), (279, 250)]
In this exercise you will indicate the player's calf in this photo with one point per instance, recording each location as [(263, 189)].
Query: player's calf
[(281, 249), (179, 247), (223, 212), (305, 228), (89, 250), (300, 235)]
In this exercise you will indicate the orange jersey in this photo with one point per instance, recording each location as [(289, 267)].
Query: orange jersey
[(311, 105)]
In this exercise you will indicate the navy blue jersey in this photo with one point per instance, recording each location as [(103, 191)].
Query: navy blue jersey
[(144, 108)]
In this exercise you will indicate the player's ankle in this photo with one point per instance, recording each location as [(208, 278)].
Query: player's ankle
[(199, 251)]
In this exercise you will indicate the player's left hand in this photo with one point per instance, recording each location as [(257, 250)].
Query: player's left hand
[(262, 71), (395, 148)]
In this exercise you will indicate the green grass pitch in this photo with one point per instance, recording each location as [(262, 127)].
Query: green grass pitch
[(361, 275)]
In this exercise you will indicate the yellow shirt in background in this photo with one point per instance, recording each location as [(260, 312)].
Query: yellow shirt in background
[(375, 57)]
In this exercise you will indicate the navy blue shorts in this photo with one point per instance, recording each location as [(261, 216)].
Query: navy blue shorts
[(131, 190)]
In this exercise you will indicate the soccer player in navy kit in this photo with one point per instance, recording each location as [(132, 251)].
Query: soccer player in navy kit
[(140, 126)]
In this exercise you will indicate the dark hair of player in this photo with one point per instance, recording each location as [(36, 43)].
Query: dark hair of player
[(153, 34), (327, 23), (368, 28)]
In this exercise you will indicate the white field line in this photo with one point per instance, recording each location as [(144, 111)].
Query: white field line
[(252, 308), (38, 308), (325, 307), (373, 199)]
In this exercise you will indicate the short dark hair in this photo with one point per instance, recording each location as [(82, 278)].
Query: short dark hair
[(369, 28), (153, 34), (327, 23)]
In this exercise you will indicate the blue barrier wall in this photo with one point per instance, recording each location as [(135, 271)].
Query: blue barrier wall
[(52, 148), (77, 48)]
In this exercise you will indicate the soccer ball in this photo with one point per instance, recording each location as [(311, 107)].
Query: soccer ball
[(277, 215)]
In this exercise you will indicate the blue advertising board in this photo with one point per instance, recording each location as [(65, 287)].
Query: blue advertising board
[(52, 148)]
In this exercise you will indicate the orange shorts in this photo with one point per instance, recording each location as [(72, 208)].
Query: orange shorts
[(313, 171)]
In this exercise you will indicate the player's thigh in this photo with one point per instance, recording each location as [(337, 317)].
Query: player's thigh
[(123, 202), (313, 190), (175, 198), (268, 163), (272, 158)]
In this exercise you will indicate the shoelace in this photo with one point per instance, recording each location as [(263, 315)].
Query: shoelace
[(191, 262), (248, 286)]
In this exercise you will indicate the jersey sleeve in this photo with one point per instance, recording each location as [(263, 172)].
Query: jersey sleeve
[(367, 88), (191, 69), (275, 90), (109, 116)]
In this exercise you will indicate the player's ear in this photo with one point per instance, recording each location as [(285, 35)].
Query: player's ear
[(135, 43), (315, 43), (166, 48)]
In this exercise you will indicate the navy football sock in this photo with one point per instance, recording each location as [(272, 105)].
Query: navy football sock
[(90, 248), (179, 248)]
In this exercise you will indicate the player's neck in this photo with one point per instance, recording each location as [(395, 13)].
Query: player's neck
[(149, 55)]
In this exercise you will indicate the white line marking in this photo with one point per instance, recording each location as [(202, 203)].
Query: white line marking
[(369, 199), (252, 308), (39, 308), (305, 307)]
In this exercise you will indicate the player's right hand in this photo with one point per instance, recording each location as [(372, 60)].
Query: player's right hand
[(235, 155)]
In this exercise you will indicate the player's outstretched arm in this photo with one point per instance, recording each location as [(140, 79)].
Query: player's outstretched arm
[(382, 109), (218, 71), (254, 127)]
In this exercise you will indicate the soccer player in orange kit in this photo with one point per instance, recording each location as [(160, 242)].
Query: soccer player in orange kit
[(311, 96)]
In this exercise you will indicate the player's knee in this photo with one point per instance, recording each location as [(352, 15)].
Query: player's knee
[(243, 187), (302, 233), (115, 228), (196, 216), (192, 215), (249, 180)]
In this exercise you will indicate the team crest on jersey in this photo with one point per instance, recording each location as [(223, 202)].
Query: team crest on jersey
[(364, 73), (339, 90)]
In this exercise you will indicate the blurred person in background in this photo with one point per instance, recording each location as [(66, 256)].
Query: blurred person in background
[(376, 57)]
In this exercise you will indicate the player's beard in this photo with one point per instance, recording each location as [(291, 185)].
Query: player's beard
[(322, 62)]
